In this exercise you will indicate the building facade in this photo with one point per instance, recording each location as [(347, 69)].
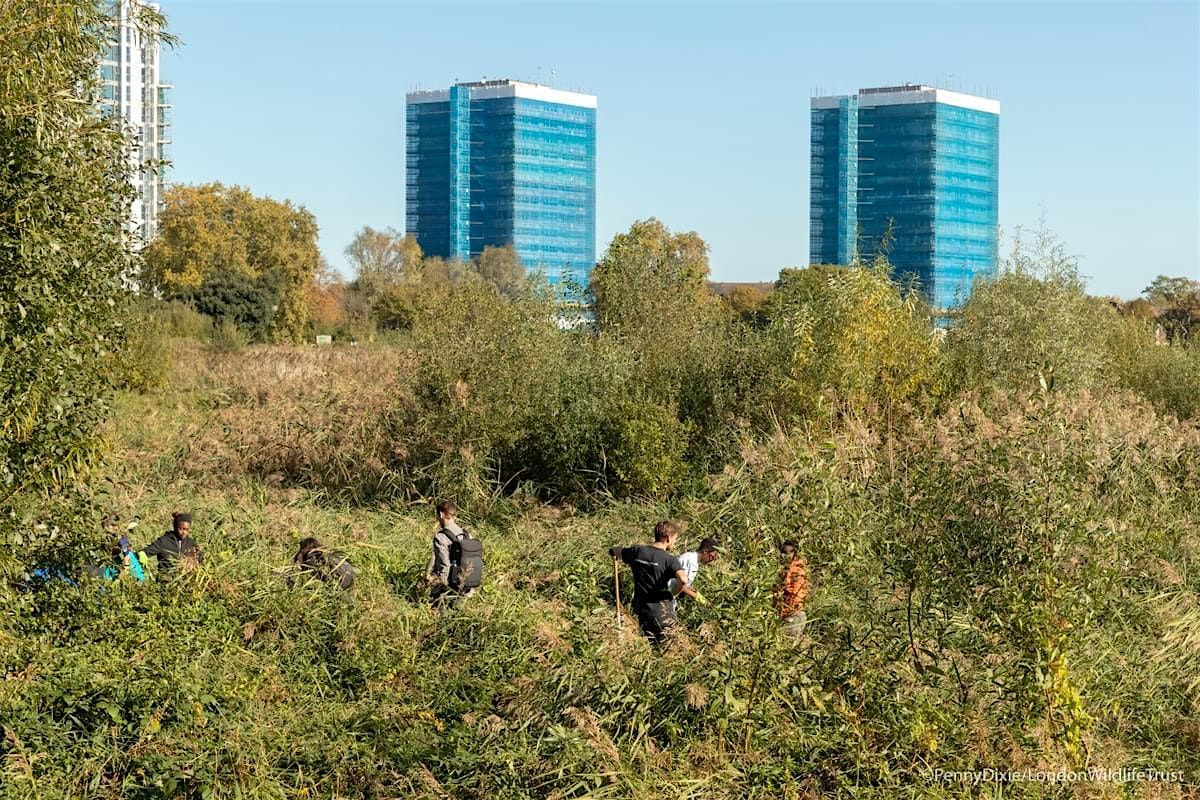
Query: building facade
[(912, 171), (492, 163), (132, 92)]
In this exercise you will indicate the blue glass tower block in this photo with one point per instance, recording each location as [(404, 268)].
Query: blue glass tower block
[(493, 163), (926, 163)]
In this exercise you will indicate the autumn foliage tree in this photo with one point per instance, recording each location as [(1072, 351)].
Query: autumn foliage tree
[(224, 236), (326, 298)]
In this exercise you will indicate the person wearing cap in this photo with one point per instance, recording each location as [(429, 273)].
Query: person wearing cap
[(706, 553), (124, 560), (176, 545)]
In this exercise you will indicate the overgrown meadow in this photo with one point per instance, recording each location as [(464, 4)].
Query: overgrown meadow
[(999, 507), (1004, 575)]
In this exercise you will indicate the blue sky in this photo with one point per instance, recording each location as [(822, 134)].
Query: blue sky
[(703, 109)]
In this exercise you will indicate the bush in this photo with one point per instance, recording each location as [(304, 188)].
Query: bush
[(227, 337), (1168, 375), (249, 303), (145, 360), (648, 447), (1032, 325), (179, 320), (858, 344)]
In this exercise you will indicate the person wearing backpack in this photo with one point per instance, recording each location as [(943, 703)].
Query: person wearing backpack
[(456, 566)]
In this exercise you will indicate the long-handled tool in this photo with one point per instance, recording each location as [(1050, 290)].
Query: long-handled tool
[(617, 589)]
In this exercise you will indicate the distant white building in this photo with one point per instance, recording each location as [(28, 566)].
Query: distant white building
[(132, 91)]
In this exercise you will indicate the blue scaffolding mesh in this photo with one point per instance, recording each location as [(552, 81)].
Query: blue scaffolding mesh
[(427, 176), (966, 176), (896, 186), (924, 175), (505, 170), (833, 211), (460, 172)]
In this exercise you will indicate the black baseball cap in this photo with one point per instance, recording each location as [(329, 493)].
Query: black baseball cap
[(709, 544)]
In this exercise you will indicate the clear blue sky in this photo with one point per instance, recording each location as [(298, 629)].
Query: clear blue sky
[(704, 108)]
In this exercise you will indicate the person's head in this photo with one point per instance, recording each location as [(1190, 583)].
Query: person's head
[(666, 532), (788, 550), (708, 550), (307, 545), (446, 511), (121, 549), (181, 523)]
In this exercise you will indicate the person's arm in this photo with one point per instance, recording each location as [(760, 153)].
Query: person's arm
[(155, 548), (440, 568), (684, 586), (618, 553)]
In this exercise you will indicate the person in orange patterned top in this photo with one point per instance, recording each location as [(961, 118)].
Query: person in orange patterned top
[(792, 589)]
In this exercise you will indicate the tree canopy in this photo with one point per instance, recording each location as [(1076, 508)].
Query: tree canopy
[(225, 236), (65, 195), (650, 280)]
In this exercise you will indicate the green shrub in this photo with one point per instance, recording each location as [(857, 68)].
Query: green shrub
[(179, 320), (859, 344), (1168, 375), (648, 447), (227, 337), (1032, 325), (145, 360), (249, 303)]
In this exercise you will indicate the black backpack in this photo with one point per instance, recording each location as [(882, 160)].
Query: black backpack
[(466, 563)]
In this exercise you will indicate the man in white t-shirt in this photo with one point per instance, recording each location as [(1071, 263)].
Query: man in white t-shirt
[(706, 553)]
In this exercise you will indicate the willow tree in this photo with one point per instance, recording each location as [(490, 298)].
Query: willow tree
[(65, 195)]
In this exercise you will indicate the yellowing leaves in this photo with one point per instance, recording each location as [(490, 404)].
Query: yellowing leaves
[(216, 232), (858, 341)]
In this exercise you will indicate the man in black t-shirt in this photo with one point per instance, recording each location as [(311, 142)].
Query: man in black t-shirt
[(653, 567)]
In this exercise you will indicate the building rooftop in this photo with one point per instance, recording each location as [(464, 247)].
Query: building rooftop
[(506, 87), (907, 87), (911, 93)]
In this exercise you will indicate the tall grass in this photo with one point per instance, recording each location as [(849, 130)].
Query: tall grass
[(1013, 585)]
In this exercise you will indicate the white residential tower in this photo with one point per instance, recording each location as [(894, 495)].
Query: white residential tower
[(132, 91)]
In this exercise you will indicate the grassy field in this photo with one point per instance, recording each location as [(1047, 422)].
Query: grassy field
[(1011, 589)]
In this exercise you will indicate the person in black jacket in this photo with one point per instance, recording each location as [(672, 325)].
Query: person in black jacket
[(316, 561), (176, 546), (653, 568)]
